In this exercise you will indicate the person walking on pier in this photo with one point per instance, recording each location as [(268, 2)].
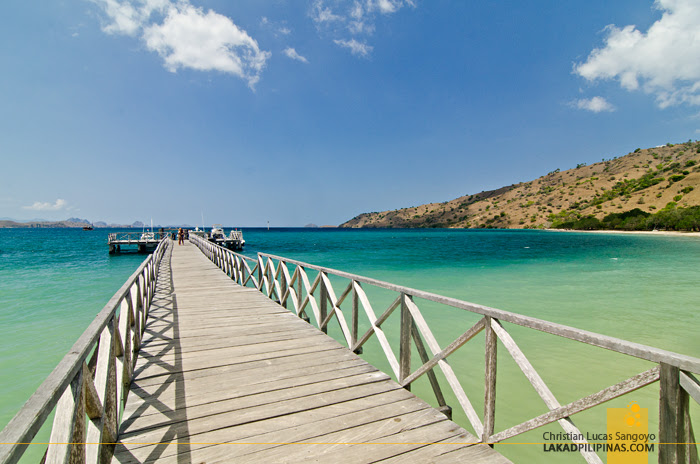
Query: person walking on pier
[(180, 237)]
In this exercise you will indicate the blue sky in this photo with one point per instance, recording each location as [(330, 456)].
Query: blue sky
[(300, 111)]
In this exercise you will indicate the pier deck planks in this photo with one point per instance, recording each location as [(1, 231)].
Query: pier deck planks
[(226, 375)]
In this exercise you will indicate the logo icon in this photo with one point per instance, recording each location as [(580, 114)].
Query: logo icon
[(634, 416), (628, 435)]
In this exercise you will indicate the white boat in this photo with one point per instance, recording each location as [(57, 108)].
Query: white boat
[(217, 232), (148, 235)]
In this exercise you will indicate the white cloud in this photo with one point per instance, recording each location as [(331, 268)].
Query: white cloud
[(128, 16), (387, 6), (664, 61), (359, 24), (278, 28), (190, 38), (291, 53), (595, 104), (338, 17), (355, 47), (187, 37), (39, 206), (323, 14)]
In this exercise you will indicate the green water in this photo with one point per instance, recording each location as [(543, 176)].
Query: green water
[(636, 287)]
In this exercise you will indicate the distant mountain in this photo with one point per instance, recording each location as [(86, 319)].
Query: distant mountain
[(311, 226), (23, 220), (78, 220), (648, 180), (42, 224)]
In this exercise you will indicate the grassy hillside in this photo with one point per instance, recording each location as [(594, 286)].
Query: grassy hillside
[(650, 180)]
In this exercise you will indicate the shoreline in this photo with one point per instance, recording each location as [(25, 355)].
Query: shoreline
[(668, 233)]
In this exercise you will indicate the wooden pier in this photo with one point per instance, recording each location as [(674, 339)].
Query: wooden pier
[(226, 375), (187, 363)]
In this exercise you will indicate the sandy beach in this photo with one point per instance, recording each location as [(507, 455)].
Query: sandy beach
[(636, 232)]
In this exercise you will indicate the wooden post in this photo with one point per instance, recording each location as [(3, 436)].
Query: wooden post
[(490, 381), (271, 279), (125, 323), (98, 431), (323, 304), (300, 299), (405, 342), (355, 316), (242, 270), (673, 403), (283, 283), (67, 442)]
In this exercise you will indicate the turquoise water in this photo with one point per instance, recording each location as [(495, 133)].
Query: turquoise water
[(636, 287)]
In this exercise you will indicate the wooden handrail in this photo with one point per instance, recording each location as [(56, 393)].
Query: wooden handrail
[(591, 338), (111, 337)]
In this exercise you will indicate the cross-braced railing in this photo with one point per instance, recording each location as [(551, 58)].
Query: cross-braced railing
[(294, 290), (136, 237), (88, 388)]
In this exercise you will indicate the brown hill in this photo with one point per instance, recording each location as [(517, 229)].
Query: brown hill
[(647, 179)]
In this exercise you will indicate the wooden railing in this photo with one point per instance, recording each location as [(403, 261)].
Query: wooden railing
[(676, 372), (136, 237), (92, 380)]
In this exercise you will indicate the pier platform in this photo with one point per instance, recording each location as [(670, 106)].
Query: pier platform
[(224, 374), (141, 242)]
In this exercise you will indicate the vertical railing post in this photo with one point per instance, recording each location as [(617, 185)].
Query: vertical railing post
[(405, 341), (270, 278), (283, 282), (140, 310), (260, 274), (125, 323), (241, 270), (490, 381), (136, 327), (101, 430), (323, 303), (355, 317), (300, 299), (673, 405), (68, 433)]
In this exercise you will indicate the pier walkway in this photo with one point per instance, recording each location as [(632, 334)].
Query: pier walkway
[(224, 374)]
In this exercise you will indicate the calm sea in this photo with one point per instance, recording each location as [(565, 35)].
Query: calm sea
[(637, 287)]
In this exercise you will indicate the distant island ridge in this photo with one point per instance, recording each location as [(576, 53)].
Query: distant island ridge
[(76, 223), (8, 223), (647, 189)]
